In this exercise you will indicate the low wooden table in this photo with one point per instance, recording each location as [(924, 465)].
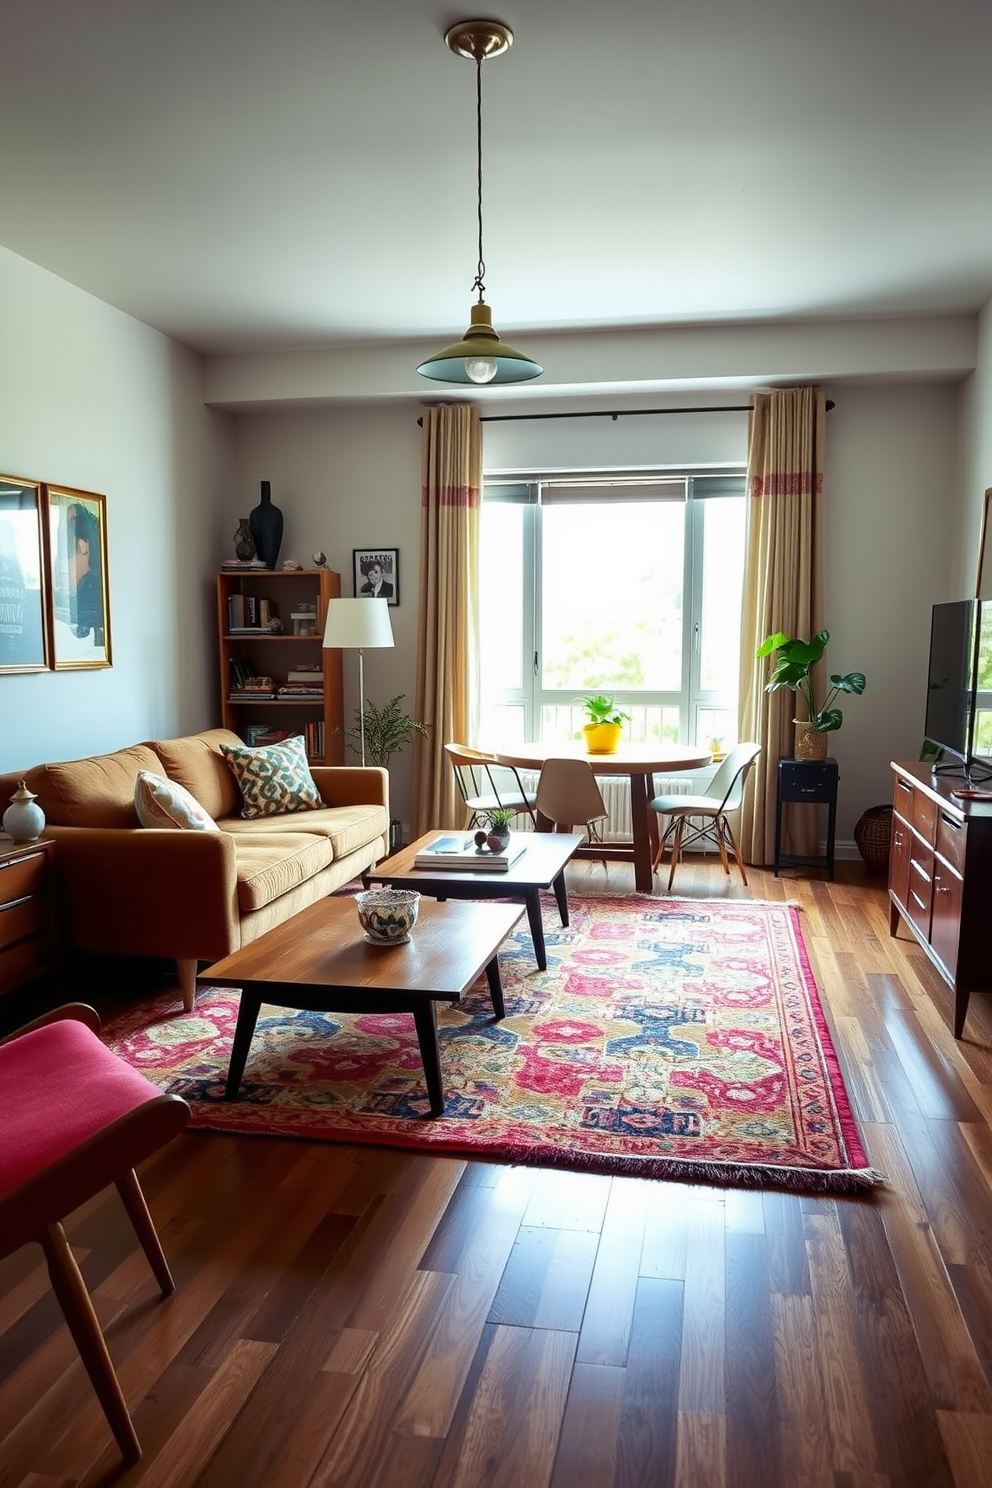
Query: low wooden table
[(541, 866), (319, 960)]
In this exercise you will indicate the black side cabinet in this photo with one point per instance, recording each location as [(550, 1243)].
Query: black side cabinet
[(814, 781)]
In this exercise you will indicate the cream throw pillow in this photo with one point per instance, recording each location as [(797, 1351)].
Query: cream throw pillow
[(163, 803), (274, 778)]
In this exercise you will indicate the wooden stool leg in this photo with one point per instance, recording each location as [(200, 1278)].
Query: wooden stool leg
[(137, 1212), (74, 1299), (737, 852), (721, 844)]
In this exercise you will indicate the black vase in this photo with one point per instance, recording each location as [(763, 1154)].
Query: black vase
[(265, 522)]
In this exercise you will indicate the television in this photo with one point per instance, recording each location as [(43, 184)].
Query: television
[(959, 686)]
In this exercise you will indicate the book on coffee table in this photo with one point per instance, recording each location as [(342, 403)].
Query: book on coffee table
[(457, 850)]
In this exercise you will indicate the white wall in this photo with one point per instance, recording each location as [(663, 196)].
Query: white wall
[(892, 501), (91, 398), (976, 461), (344, 478)]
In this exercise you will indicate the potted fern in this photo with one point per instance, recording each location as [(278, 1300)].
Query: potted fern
[(795, 661), (606, 720), (388, 729)]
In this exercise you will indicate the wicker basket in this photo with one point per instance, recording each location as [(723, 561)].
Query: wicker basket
[(873, 834)]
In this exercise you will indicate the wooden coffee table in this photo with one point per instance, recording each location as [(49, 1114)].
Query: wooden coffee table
[(319, 960), (541, 866)]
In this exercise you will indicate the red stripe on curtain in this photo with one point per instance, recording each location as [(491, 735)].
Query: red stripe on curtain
[(466, 496), (785, 483)]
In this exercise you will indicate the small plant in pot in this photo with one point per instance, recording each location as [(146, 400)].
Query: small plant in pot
[(494, 828), (602, 732), (794, 663)]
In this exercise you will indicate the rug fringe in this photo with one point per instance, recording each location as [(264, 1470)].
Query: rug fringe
[(729, 1175)]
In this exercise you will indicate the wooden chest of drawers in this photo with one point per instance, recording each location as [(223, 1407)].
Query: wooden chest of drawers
[(27, 921), (940, 879)]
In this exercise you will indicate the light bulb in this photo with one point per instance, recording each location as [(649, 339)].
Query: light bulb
[(481, 369)]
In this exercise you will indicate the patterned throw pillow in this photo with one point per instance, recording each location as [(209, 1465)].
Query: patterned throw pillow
[(163, 803), (274, 778)]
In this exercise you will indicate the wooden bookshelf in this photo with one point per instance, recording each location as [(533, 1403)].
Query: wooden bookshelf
[(275, 654)]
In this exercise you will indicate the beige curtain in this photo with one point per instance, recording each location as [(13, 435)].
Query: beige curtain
[(783, 591), (448, 635)]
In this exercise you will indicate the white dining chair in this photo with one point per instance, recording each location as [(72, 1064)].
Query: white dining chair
[(484, 785), (569, 795), (709, 812)]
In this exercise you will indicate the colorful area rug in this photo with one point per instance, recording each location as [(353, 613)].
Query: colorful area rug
[(668, 1038)]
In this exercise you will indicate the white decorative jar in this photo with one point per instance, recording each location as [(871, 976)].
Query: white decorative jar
[(23, 821)]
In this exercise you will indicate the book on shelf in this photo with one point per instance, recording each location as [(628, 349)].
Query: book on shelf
[(297, 694), (313, 675), (454, 850), (261, 733), (241, 563)]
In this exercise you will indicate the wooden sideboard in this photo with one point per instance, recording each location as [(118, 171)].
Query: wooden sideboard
[(940, 878), (27, 934)]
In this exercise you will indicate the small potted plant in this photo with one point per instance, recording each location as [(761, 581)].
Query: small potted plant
[(793, 667), (602, 732), (494, 828)]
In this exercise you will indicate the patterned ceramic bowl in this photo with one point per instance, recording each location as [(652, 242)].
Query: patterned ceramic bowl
[(387, 915)]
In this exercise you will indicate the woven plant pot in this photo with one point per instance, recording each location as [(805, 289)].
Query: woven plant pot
[(873, 835)]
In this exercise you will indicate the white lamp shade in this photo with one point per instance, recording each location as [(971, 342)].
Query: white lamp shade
[(357, 624)]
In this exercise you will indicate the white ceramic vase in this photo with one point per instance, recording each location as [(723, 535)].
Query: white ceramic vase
[(24, 820)]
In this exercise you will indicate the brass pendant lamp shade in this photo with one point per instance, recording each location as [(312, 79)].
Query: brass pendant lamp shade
[(480, 357)]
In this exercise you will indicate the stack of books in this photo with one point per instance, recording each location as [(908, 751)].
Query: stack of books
[(252, 689), (452, 851), (300, 691)]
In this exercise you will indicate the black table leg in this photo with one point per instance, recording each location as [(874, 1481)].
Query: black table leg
[(561, 895), (425, 1018), (532, 898), (495, 988), (243, 1035)]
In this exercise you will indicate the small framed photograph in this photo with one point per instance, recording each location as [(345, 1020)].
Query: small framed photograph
[(79, 585), (24, 631), (377, 573)]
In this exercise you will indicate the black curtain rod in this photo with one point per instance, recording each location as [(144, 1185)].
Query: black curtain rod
[(512, 418)]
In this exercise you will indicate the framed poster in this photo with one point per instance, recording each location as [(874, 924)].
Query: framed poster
[(377, 573), (80, 594), (24, 633)]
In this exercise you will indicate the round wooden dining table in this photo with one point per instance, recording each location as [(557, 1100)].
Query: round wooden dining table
[(640, 763)]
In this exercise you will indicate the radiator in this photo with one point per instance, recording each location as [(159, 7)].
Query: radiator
[(615, 790)]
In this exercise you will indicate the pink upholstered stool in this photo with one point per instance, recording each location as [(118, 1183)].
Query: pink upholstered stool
[(73, 1119)]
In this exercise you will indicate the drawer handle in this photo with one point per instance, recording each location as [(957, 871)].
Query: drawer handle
[(948, 821)]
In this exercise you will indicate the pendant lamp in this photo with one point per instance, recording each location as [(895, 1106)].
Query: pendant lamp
[(480, 356)]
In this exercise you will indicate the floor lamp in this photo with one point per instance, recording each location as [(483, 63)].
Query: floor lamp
[(354, 625)]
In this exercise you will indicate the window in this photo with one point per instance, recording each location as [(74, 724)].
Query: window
[(629, 586)]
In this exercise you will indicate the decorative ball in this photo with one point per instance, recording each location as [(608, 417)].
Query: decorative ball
[(387, 915), (481, 838), (495, 842)]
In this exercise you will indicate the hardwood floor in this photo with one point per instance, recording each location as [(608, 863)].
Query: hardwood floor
[(352, 1316)]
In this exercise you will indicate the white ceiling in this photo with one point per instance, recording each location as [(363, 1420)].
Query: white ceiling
[(252, 174)]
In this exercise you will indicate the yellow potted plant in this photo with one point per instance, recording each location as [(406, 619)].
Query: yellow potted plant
[(606, 720)]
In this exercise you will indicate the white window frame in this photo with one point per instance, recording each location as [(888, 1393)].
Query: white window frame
[(532, 697)]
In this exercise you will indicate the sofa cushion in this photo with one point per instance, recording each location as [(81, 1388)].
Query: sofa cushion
[(274, 778), (271, 863), (163, 803), (347, 828), (94, 792), (195, 761)]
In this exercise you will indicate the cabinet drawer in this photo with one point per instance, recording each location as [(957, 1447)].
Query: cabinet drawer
[(22, 877), (925, 816), (22, 963), (19, 920), (919, 898), (902, 799), (952, 839)]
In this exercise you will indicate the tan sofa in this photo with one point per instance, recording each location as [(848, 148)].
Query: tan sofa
[(127, 890)]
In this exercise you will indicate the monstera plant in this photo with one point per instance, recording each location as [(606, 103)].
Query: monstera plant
[(794, 663)]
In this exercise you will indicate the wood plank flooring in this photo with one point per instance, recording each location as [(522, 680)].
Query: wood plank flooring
[(353, 1317)]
